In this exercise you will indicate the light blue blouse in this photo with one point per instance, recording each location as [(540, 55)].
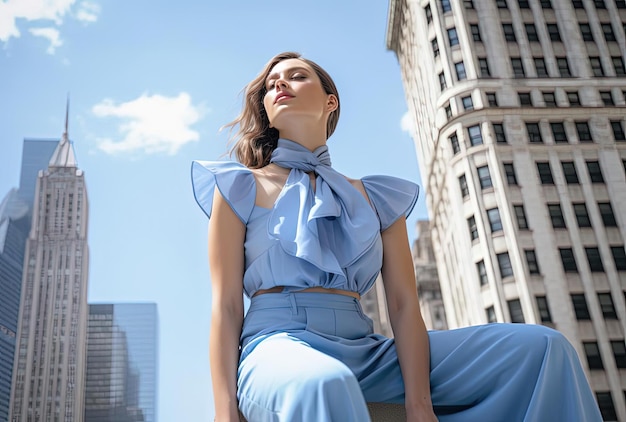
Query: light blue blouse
[(328, 237)]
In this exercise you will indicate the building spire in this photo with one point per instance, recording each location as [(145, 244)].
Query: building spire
[(67, 118), (64, 154)]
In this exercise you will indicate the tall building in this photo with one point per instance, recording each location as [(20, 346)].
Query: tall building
[(15, 221), (518, 109), (122, 363), (427, 278), (49, 367)]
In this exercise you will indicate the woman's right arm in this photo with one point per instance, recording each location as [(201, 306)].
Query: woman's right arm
[(226, 261)]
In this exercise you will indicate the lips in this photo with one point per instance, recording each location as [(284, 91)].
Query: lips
[(282, 96)]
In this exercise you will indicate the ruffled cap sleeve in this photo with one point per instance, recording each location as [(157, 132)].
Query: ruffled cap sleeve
[(392, 197), (235, 182)]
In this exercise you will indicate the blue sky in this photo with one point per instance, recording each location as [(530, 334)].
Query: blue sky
[(151, 83)]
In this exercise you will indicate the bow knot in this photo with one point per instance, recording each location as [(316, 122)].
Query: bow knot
[(330, 227)]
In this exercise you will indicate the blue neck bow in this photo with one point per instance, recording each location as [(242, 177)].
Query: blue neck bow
[(330, 226)]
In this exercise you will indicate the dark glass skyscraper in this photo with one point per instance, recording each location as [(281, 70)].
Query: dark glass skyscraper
[(122, 363), (15, 222)]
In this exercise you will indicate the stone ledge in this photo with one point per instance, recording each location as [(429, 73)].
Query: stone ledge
[(380, 412)]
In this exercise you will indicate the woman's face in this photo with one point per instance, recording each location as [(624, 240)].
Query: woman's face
[(294, 91)]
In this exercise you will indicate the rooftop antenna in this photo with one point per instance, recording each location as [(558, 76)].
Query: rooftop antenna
[(67, 114)]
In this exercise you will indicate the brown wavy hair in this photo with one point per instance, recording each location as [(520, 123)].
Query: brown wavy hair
[(255, 140)]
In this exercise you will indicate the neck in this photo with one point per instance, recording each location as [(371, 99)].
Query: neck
[(309, 136)]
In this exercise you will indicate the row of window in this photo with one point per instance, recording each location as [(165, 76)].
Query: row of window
[(446, 7), (533, 130)]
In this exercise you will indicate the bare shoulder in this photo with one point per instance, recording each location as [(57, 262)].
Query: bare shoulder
[(358, 185)]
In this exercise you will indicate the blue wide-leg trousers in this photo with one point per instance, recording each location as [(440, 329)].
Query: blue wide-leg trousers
[(314, 357)]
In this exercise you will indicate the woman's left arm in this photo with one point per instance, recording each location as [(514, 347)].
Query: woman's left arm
[(406, 321)]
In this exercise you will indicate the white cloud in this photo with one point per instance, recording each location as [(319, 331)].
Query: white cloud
[(407, 124), (22, 13), (88, 12), (51, 34), (151, 123)]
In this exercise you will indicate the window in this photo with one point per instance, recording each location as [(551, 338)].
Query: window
[(594, 259), (593, 355), (518, 68), (454, 142), (435, 46), (520, 216), (605, 403), (448, 110), (531, 32), (619, 257), (549, 99), (509, 171), (525, 99), (482, 273), (515, 310), (618, 130), (473, 230), (498, 129), (584, 133), (558, 133), (578, 4), (563, 66), (580, 307), (596, 66), (606, 305), (585, 31), (475, 135), (492, 100), (582, 216), (442, 81), (467, 103), (463, 186), (453, 38), (501, 4), (469, 4), (484, 67), (619, 352), (484, 177), (429, 14), (491, 314), (523, 4), (531, 260), (475, 30), (607, 98), (509, 33), (534, 134), (544, 310), (606, 212), (553, 32), (569, 170), (460, 71), (607, 30), (595, 173), (573, 99), (545, 173), (621, 4), (556, 216), (545, 4), (494, 220), (568, 260), (504, 263), (445, 6), (540, 67)]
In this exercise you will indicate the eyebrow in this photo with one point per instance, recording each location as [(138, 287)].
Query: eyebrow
[(274, 75)]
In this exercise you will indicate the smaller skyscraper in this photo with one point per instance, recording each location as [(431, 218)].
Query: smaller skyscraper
[(49, 366), (122, 363)]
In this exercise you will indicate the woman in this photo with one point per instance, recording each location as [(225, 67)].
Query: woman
[(304, 243)]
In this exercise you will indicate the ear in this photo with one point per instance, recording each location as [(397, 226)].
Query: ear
[(332, 103)]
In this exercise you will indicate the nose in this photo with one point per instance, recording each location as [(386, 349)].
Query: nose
[(281, 83)]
